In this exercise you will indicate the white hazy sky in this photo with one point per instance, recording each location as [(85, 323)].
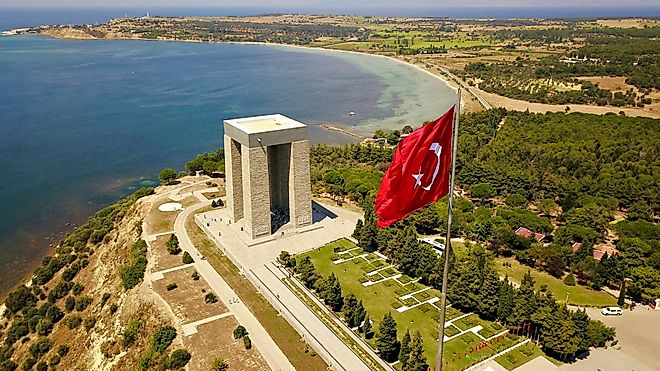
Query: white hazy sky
[(365, 4)]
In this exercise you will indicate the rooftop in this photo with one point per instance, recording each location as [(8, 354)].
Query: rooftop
[(264, 124)]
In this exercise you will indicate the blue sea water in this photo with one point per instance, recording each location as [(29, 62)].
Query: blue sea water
[(84, 122)]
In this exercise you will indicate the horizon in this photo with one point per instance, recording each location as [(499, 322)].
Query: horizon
[(499, 11)]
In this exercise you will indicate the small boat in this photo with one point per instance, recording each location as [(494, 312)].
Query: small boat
[(351, 113)]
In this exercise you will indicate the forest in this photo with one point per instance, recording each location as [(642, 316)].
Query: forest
[(563, 175)]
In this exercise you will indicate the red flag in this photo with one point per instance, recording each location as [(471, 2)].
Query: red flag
[(419, 172)]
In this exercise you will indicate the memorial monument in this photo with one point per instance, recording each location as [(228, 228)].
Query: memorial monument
[(267, 170)]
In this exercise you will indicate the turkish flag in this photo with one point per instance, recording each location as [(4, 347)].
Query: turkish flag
[(419, 172)]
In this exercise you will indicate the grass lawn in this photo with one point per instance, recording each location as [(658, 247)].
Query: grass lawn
[(468, 322), (385, 296), (578, 295), (451, 330), (520, 356)]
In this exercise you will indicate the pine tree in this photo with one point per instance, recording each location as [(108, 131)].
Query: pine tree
[(331, 292), (305, 268), (173, 245), (404, 351), (350, 306), (488, 295), (358, 314), (416, 360), (505, 299), (366, 327), (387, 342), (525, 301), (581, 321), (357, 233), (622, 294)]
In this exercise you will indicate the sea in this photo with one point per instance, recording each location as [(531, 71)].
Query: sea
[(83, 123)]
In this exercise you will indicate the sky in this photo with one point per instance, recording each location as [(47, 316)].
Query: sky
[(338, 4)]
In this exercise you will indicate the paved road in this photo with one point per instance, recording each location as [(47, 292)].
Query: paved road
[(317, 331), (260, 338), (465, 86)]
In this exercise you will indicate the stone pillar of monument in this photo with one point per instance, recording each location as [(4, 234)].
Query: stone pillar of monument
[(300, 189), (233, 179), (256, 192), (267, 167)]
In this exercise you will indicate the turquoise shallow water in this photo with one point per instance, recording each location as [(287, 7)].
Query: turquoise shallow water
[(84, 122)]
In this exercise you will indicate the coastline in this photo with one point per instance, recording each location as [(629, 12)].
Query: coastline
[(445, 80), (481, 98)]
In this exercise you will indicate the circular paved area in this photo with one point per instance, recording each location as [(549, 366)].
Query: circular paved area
[(170, 206)]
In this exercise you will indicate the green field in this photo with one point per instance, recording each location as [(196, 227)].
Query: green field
[(577, 295), (386, 296)]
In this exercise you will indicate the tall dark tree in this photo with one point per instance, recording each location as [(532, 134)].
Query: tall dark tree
[(581, 322), (387, 342), (357, 233), (488, 295), (366, 327), (416, 359), (404, 349), (359, 314), (349, 309), (331, 292), (622, 294), (525, 301), (505, 300), (308, 275)]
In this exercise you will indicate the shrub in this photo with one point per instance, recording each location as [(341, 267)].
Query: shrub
[(104, 299), (247, 342), (82, 302), (77, 288), (132, 274), (210, 298), (195, 276), (70, 304), (89, 323), (54, 360), (17, 330), (113, 308), (187, 259), (63, 350), (59, 291), (178, 359), (163, 338), (28, 363), (239, 332), (219, 364), (171, 286), (73, 322), (40, 347), (131, 332), (8, 365), (167, 176), (569, 280), (44, 327)]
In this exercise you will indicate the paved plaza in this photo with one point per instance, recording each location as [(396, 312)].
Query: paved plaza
[(255, 259)]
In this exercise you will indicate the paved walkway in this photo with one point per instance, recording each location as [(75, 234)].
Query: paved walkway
[(253, 261), (316, 331), (191, 328), (155, 276), (260, 338)]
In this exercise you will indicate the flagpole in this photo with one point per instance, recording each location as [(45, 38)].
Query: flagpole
[(445, 273)]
